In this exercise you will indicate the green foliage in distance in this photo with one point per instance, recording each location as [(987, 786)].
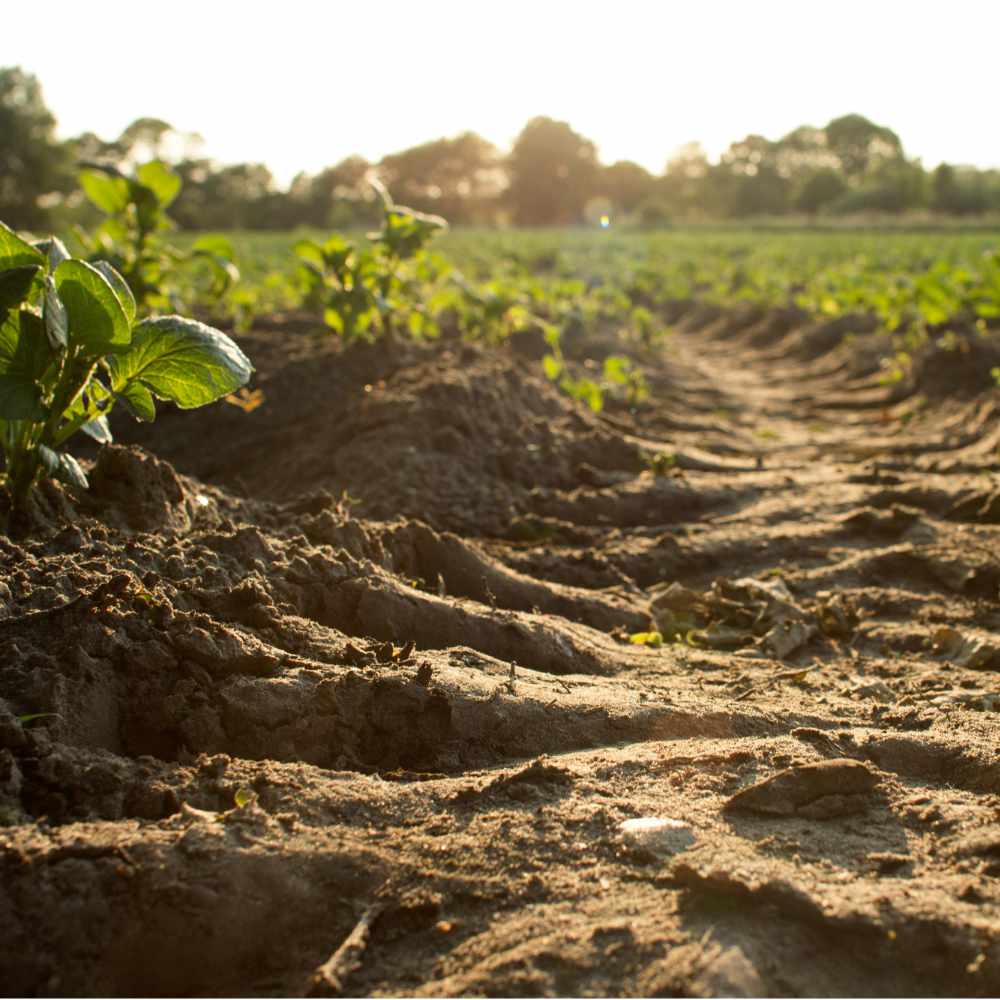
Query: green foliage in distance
[(620, 377), (631, 286), (380, 289), (71, 347), (130, 236)]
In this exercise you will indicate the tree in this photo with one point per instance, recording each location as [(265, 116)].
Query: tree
[(803, 153), (684, 189), (552, 173), (894, 186), (239, 196), (749, 179), (459, 178), (337, 196), (960, 190), (860, 145), (820, 190), (626, 185), (944, 189), (32, 162), (154, 139)]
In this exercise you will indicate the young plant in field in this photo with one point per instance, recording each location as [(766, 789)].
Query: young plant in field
[(70, 349), (493, 311), (130, 237), (554, 364), (620, 378), (624, 379), (381, 289)]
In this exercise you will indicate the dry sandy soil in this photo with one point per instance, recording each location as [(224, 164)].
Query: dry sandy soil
[(354, 667)]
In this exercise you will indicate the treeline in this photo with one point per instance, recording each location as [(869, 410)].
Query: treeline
[(551, 176)]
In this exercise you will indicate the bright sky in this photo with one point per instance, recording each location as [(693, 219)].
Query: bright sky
[(299, 85)]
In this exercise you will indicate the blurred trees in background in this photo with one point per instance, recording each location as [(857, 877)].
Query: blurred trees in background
[(32, 163), (551, 176), (553, 173), (460, 178)]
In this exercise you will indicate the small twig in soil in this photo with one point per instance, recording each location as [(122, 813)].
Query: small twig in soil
[(511, 677), (329, 978)]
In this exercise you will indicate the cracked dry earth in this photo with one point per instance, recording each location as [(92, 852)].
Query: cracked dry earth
[(289, 740)]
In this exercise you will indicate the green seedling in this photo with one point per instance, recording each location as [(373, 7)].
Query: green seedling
[(653, 639), (380, 289), (622, 377), (71, 348), (554, 365), (130, 237), (663, 463), (492, 312), (646, 326), (243, 797)]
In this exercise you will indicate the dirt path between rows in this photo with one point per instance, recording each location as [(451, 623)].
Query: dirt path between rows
[(337, 696)]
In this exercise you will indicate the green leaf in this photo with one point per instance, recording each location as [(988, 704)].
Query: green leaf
[(99, 429), (181, 360), (148, 209), (553, 367), (551, 333), (617, 368), (15, 286), (334, 320), (121, 289), (160, 179), (310, 252), (224, 272), (97, 318), (63, 467), (32, 716), (216, 245), (654, 639), (24, 356), (14, 252), (54, 249), (139, 401), (585, 390), (54, 313), (106, 188), (20, 398)]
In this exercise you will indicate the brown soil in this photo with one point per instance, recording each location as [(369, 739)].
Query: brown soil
[(338, 694)]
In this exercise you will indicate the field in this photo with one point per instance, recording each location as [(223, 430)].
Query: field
[(592, 613)]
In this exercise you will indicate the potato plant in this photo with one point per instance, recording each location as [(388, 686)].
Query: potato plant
[(377, 290), (130, 237), (71, 348), (493, 311)]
